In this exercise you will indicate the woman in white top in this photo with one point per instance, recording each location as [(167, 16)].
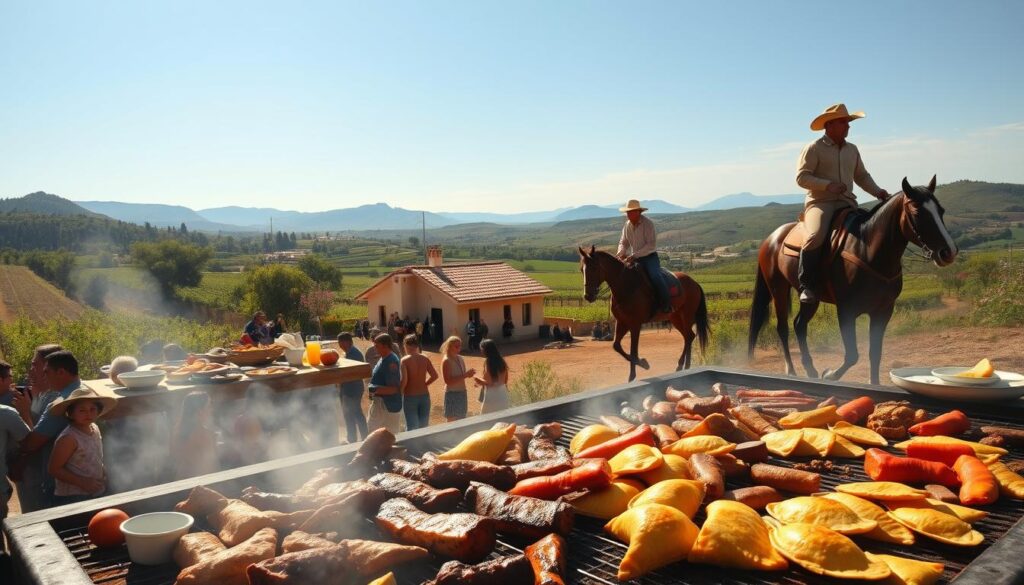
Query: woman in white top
[(494, 389), (453, 369)]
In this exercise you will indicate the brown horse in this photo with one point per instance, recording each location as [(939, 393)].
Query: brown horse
[(866, 275), (633, 305)]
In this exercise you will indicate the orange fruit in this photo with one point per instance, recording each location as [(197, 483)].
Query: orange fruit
[(105, 527)]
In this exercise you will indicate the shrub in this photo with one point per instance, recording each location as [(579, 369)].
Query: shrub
[(321, 271), (274, 288), (1002, 303), (172, 263), (539, 382)]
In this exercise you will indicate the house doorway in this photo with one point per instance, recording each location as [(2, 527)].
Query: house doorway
[(437, 326), (382, 317)]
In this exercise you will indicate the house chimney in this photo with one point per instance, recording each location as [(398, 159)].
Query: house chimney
[(434, 256)]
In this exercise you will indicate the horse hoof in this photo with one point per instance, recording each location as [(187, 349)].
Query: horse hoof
[(643, 364), (830, 374), (812, 373)]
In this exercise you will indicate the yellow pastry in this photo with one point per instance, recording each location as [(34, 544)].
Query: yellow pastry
[(486, 445), (672, 467), (635, 459), (822, 512), (783, 443), (938, 526), (608, 502), (710, 444), (684, 495), (968, 515), (859, 435), (882, 490), (734, 536), (819, 418), (1010, 484), (979, 448), (845, 448), (909, 571), (657, 535), (589, 436), (826, 552), (815, 442), (888, 529)]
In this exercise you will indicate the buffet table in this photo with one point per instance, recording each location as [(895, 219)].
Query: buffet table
[(165, 396)]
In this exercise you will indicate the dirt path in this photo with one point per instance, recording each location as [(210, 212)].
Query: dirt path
[(22, 292)]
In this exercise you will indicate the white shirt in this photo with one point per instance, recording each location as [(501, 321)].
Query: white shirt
[(638, 240)]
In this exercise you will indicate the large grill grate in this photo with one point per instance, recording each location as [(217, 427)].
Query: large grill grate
[(594, 557)]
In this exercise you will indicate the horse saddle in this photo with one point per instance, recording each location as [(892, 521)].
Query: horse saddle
[(841, 223), (675, 288)]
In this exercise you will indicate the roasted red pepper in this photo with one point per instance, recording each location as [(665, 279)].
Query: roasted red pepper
[(592, 475), (947, 454), (610, 448), (881, 466), (979, 487), (952, 423), (856, 410)]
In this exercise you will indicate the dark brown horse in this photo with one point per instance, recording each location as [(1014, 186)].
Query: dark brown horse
[(865, 276), (633, 305)]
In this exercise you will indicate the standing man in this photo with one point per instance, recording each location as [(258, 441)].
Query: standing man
[(385, 385), (638, 244), (351, 394), (12, 430), (471, 334), (828, 168)]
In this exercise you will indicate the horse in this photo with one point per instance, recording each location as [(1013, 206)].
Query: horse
[(633, 305), (865, 276)]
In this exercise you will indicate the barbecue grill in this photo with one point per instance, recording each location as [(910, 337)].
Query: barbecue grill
[(51, 546)]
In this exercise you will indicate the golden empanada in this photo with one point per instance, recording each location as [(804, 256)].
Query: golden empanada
[(589, 436), (635, 459), (817, 418), (845, 448), (888, 529), (657, 535), (783, 443), (939, 526), (821, 512), (826, 552), (859, 435), (1011, 484), (672, 467), (710, 444), (909, 571), (882, 490), (815, 442), (608, 502), (684, 495), (968, 515), (734, 536), (388, 579)]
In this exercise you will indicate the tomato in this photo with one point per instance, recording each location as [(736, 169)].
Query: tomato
[(105, 527)]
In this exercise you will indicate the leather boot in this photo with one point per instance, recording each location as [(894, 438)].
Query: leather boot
[(807, 275)]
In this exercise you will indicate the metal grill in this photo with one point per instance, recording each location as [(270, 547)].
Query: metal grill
[(593, 557)]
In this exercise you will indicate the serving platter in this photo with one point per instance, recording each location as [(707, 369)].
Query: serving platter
[(257, 374), (1008, 386), (954, 375)]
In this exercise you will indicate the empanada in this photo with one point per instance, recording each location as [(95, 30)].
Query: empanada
[(684, 495), (734, 536), (657, 535), (821, 512), (888, 529), (826, 552)]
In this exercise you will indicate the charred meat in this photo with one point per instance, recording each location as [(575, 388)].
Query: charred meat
[(465, 537), (520, 515)]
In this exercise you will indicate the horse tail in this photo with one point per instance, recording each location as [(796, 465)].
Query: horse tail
[(758, 310), (701, 320)]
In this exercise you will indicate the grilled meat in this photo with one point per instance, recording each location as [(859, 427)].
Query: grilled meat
[(409, 469), (273, 501), (510, 570), (547, 557), (542, 467), (423, 496), (520, 515), (465, 537), (371, 453), (320, 478), (543, 448), (457, 473)]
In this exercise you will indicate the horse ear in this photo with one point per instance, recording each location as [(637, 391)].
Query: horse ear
[(592, 249), (908, 190), (931, 184), (582, 253)]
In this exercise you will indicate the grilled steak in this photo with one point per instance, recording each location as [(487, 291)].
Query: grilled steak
[(542, 467), (520, 515), (371, 453), (510, 570), (279, 502), (409, 469), (465, 537), (542, 447), (547, 556), (423, 496), (457, 473)]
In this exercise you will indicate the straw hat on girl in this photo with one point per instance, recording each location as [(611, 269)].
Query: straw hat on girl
[(82, 394)]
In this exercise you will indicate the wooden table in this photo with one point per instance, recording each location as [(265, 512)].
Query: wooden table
[(166, 396)]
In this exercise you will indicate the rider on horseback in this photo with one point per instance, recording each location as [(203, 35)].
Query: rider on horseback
[(828, 168), (639, 245)]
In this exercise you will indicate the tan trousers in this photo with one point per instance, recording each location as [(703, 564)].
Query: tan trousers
[(817, 218)]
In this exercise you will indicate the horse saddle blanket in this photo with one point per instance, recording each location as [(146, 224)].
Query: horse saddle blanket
[(675, 288), (841, 223)]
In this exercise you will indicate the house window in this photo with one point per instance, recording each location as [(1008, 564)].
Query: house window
[(507, 312), (527, 315)]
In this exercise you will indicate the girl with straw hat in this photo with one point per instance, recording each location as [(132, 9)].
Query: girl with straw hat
[(76, 462)]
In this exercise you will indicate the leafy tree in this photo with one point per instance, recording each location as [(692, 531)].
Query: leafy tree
[(414, 241), (172, 263), (274, 288), (321, 271)]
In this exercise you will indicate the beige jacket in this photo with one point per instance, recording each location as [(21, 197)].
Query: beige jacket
[(638, 240), (823, 162)]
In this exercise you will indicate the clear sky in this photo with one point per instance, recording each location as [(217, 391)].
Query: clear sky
[(494, 106)]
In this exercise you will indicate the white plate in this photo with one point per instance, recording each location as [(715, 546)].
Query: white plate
[(1009, 386), (289, 372), (952, 376)]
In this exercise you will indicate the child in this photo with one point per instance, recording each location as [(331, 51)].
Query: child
[(76, 462), (193, 442)]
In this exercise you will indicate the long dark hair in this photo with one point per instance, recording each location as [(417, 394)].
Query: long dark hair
[(493, 361), (189, 420)]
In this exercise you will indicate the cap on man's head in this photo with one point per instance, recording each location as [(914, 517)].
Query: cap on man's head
[(834, 112)]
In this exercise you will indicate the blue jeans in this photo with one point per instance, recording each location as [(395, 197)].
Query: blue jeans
[(352, 411), (652, 266), (417, 411)]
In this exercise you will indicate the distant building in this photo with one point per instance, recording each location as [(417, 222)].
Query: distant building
[(284, 257), (450, 294)]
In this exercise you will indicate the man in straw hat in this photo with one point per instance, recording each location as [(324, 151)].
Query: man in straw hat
[(638, 244), (828, 168)]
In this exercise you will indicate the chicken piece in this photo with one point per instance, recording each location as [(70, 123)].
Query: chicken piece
[(510, 570), (372, 557), (345, 514), (465, 537), (407, 468), (547, 557), (195, 547), (520, 515), (371, 453), (457, 473), (892, 419), (300, 540), (331, 564), (425, 497), (237, 521), (201, 501), (265, 501), (321, 477), (228, 567)]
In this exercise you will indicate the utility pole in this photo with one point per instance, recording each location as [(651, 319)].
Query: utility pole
[(423, 222)]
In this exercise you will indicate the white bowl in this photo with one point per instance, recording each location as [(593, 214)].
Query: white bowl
[(142, 378), (151, 538), (952, 375), (294, 356)]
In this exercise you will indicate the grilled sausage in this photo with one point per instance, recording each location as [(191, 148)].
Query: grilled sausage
[(790, 480), (756, 496), (751, 452), (706, 469)]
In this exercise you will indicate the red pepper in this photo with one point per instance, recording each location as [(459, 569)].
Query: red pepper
[(946, 454), (856, 410), (881, 466), (979, 487), (952, 423), (642, 434), (591, 475)]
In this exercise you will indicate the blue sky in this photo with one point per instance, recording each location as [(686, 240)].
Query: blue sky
[(487, 106)]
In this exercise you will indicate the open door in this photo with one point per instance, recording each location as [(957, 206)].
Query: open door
[(438, 333)]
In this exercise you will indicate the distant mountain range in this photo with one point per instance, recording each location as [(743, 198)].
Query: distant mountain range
[(43, 204), (381, 216)]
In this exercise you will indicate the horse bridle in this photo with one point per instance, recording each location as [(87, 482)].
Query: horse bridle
[(929, 254), (588, 288)]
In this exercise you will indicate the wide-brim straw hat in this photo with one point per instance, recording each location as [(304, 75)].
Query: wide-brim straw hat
[(81, 394), (834, 112), (632, 205)]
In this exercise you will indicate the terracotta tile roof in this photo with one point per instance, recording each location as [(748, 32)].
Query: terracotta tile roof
[(475, 281)]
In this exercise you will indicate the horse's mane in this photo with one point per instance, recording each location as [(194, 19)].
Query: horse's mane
[(867, 218), (608, 254)]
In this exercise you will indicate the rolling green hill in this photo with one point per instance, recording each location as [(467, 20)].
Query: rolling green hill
[(41, 203)]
